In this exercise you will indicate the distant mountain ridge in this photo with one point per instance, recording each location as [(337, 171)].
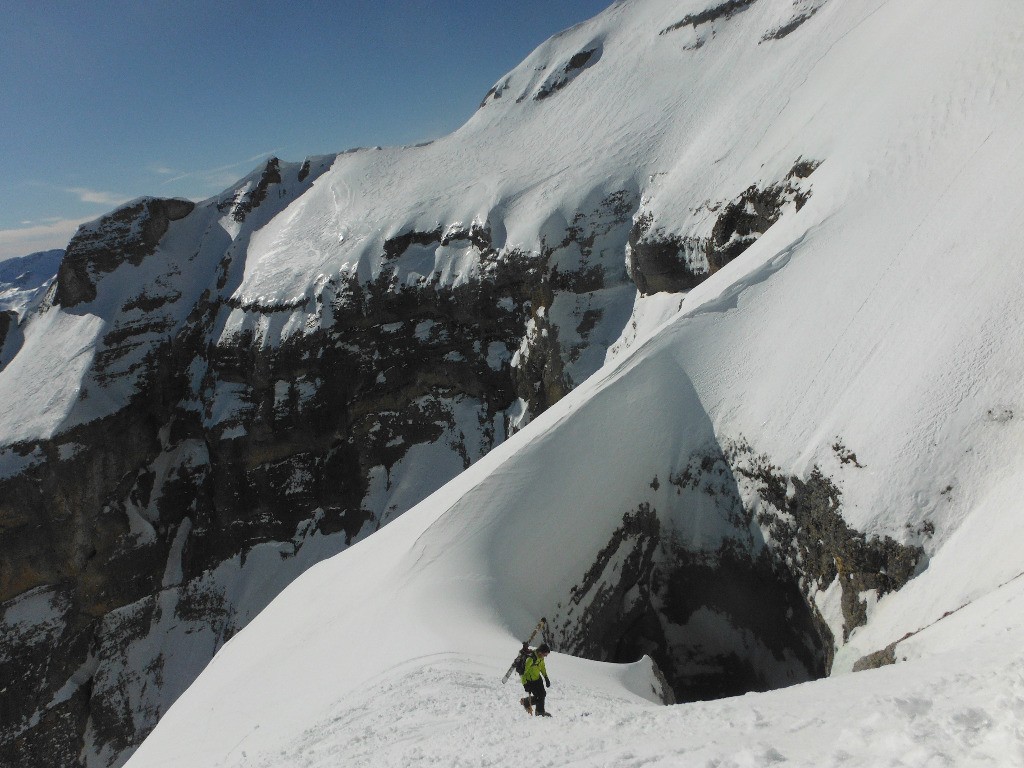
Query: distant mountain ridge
[(24, 281), (26, 275)]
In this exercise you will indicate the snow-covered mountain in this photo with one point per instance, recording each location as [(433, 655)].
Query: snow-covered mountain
[(719, 303), (23, 278), (23, 282)]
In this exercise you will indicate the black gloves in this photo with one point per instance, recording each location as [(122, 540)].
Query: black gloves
[(547, 681)]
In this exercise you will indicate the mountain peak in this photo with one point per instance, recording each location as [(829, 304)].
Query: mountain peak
[(128, 234)]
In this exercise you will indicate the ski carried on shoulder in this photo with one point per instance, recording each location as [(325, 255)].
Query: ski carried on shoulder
[(524, 650)]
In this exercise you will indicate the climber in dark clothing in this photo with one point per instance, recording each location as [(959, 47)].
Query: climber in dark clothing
[(534, 678)]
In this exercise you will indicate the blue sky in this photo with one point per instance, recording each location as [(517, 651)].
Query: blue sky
[(103, 101)]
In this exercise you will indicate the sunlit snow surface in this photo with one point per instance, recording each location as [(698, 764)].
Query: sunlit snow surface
[(450, 712), (887, 311)]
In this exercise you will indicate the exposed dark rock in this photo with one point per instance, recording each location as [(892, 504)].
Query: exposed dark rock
[(602, 612), (147, 302), (790, 26), (495, 93), (663, 688), (27, 654), (115, 720), (8, 320), (723, 11), (582, 263), (660, 597), (539, 377), (877, 659), (845, 455), (801, 170), (56, 527), (660, 261), (478, 235), (579, 62), (741, 223), (739, 616), (241, 205), (129, 234), (814, 538), (396, 246), (745, 219)]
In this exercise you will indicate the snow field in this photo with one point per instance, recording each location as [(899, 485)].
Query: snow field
[(959, 708)]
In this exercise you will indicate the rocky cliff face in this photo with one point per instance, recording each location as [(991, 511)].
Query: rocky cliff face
[(24, 282), (740, 610), (137, 542), (230, 456), (126, 236), (661, 261)]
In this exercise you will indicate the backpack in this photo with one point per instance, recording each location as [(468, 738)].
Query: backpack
[(520, 663)]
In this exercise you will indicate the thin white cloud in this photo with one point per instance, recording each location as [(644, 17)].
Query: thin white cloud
[(22, 241), (45, 234), (95, 196), (84, 194), (221, 176)]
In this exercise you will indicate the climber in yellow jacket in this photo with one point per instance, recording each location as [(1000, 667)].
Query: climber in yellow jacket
[(534, 678)]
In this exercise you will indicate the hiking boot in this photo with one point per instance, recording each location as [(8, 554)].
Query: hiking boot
[(544, 714)]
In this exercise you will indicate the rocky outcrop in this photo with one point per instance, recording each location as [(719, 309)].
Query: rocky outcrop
[(560, 73), (578, 304), (737, 611), (745, 219), (127, 235), (724, 10), (805, 517), (570, 71), (876, 660), (8, 320), (662, 261), (249, 197), (802, 12)]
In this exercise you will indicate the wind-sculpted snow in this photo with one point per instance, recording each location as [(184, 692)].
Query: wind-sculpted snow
[(445, 711), (509, 168)]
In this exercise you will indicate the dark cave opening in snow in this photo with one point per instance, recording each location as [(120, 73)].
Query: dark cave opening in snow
[(717, 624), (722, 588), (722, 624)]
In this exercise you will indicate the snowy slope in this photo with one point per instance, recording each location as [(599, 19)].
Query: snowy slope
[(24, 281), (24, 278), (873, 333), (57, 379)]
